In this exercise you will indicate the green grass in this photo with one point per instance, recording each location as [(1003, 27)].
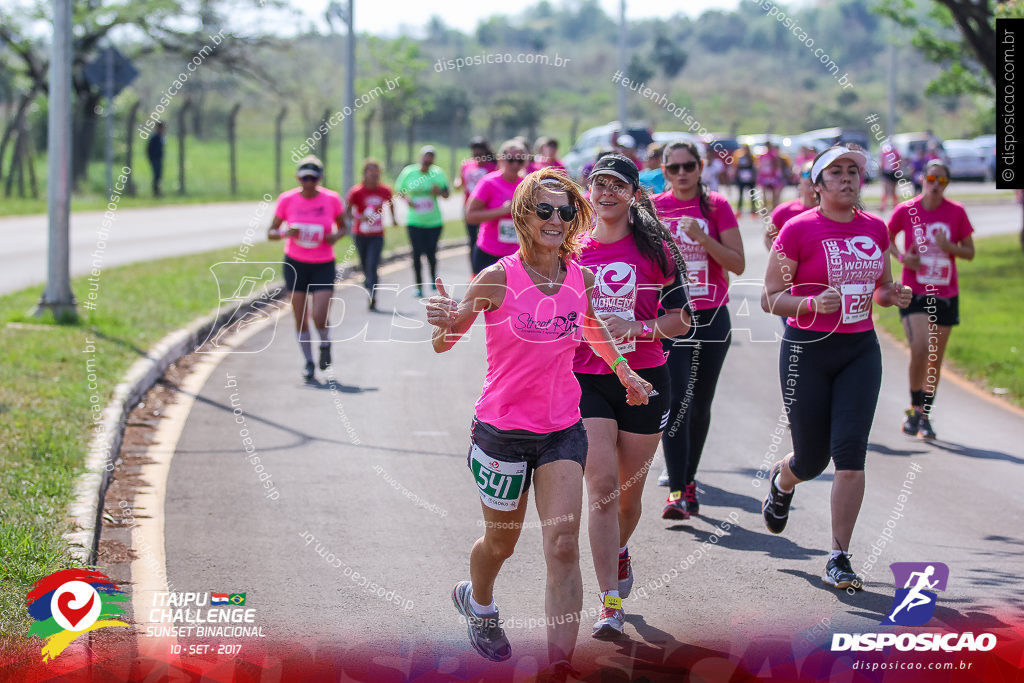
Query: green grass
[(45, 398), (987, 346)]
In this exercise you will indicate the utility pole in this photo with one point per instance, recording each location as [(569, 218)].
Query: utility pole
[(622, 64), (57, 297), (349, 144)]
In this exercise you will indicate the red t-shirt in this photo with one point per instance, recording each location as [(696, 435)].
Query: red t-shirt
[(627, 284), (368, 208), (937, 275), (709, 283), (847, 257)]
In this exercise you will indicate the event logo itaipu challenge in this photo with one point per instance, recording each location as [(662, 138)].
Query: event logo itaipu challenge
[(71, 602)]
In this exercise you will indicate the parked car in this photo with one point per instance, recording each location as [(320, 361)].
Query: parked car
[(909, 144), (590, 142), (966, 160), (987, 143)]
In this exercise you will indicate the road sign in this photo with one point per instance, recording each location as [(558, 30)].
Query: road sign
[(121, 71)]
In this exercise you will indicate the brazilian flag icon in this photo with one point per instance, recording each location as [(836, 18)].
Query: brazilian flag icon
[(237, 599)]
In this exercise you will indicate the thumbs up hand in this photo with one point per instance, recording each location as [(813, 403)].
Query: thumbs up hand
[(441, 308)]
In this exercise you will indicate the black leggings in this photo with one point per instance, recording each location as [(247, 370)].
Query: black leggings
[(471, 231), (830, 384), (369, 248), (745, 191), (424, 243), (694, 365)]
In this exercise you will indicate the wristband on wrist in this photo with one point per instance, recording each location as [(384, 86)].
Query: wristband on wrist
[(616, 362), (810, 304), (646, 330), (900, 258)]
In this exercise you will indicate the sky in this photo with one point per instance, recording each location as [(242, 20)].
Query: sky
[(464, 14)]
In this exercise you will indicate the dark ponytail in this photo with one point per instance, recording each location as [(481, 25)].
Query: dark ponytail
[(652, 236)]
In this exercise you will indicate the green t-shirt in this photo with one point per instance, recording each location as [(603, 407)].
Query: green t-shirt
[(424, 211)]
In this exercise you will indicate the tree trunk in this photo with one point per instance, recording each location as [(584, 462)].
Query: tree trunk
[(367, 129), (130, 187), (12, 125), (410, 140), (277, 149), (181, 144), (232, 118), (83, 135), (324, 147), (27, 156)]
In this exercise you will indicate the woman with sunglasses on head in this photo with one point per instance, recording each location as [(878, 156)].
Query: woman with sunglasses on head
[(936, 231), (806, 200), (490, 205), (707, 233), (636, 267), (472, 170), (826, 267), (311, 214), (537, 310)]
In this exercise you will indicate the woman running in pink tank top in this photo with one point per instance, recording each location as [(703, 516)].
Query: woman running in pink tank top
[(536, 303)]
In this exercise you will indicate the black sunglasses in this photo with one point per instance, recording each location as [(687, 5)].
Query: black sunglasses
[(308, 178), (689, 167), (566, 212)]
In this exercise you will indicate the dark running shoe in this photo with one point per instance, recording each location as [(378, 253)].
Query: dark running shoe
[(924, 430), (485, 635), (690, 497), (625, 574), (912, 422), (309, 372), (325, 356), (674, 507), (840, 574), (776, 504)]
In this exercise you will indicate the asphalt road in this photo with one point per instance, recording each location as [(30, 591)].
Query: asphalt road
[(369, 466), (141, 235)]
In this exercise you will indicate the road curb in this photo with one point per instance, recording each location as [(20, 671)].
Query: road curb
[(104, 448)]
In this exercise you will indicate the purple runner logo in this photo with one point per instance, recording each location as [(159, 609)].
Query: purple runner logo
[(914, 603)]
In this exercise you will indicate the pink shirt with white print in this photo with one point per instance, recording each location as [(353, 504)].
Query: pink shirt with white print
[(847, 257), (937, 274), (497, 236), (709, 283), (314, 218)]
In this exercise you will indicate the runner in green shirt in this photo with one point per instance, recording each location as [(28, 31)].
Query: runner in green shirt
[(420, 184)]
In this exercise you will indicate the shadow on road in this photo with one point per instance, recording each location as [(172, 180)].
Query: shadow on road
[(969, 452), (740, 538), (885, 450)]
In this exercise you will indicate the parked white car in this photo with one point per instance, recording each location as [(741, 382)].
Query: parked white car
[(967, 160)]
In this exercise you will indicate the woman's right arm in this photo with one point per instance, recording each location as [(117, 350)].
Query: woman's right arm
[(452, 319), (777, 299)]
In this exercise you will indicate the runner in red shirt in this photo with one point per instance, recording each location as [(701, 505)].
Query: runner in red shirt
[(366, 202)]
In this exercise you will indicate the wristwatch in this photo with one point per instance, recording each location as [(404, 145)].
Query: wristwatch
[(647, 331)]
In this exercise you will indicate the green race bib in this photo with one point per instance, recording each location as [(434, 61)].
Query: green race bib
[(500, 483)]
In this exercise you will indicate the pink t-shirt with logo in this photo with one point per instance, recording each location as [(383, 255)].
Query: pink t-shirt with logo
[(531, 341), (315, 219), (471, 172), (626, 284), (937, 274), (709, 283), (847, 257), (498, 236), (786, 210)]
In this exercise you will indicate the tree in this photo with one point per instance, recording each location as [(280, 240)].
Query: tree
[(668, 55), (95, 21), (961, 38), (405, 104)]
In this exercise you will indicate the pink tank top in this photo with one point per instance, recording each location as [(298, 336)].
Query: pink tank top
[(531, 342)]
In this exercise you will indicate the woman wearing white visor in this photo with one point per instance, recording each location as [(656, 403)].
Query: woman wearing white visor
[(827, 266)]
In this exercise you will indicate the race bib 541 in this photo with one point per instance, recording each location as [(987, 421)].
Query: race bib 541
[(500, 483)]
